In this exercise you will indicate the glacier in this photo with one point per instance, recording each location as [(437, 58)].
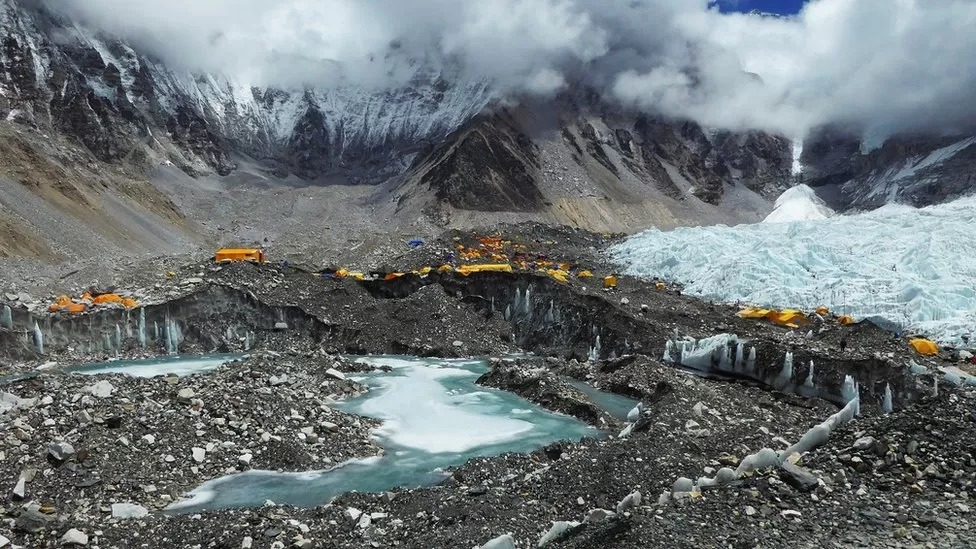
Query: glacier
[(909, 269), (799, 203)]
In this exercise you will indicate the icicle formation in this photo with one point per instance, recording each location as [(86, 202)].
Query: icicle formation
[(668, 349), (707, 354), (118, 337), (886, 404), (173, 336), (739, 358), (527, 303), (142, 329), (849, 392), (6, 318), (751, 363), (809, 380), (38, 338), (594, 353), (247, 341), (786, 374)]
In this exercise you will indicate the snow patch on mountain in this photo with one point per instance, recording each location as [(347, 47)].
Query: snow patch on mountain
[(910, 268), (799, 203), (797, 167), (894, 182)]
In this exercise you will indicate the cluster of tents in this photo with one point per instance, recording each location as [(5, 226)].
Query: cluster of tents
[(791, 318), (89, 300), (794, 318), (499, 256)]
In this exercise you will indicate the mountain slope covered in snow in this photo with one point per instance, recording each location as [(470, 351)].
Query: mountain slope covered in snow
[(912, 268), (59, 75), (916, 170), (799, 203)]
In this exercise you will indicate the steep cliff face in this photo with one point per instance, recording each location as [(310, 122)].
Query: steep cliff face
[(590, 165), (915, 170)]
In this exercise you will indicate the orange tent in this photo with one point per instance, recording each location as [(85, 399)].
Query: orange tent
[(107, 298), (924, 346)]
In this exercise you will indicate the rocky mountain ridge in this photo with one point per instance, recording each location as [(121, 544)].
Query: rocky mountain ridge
[(915, 170), (61, 76), (437, 152)]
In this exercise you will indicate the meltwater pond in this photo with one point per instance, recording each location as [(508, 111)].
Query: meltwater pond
[(434, 416), (176, 365)]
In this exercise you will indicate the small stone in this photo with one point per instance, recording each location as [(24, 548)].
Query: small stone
[(31, 520), (900, 532), (596, 516), (245, 460), (74, 537), (128, 510), (275, 381), (458, 343), (149, 439), (20, 490), (247, 542), (352, 514), (83, 417), (728, 459), (336, 374), (632, 500), (101, 389), (281, 326), (750, 510), (169, 458), (698, 409), (185, 394), (962, 507), (691, 424), (505, 541), (798, 477), (790, 513), (198, 454), (624, 301), (5, 541), (683, 485), (60, 451), (864, 443)]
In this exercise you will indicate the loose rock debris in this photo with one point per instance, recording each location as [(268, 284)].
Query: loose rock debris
[(93, 461)]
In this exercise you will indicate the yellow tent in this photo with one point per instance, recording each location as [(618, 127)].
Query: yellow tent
[(754, 312), (610, 282), (584, 274), (484, 268), (559, 275), (823, 311), (846, 319), (924, 346)]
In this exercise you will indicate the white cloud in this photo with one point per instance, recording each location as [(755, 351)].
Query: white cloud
[(877, 66)]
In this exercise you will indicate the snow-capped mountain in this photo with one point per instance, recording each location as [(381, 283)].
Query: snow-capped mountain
[(56, 74), (440, 147)]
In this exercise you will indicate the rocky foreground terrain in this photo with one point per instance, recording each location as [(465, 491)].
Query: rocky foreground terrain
[(92, 461)]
